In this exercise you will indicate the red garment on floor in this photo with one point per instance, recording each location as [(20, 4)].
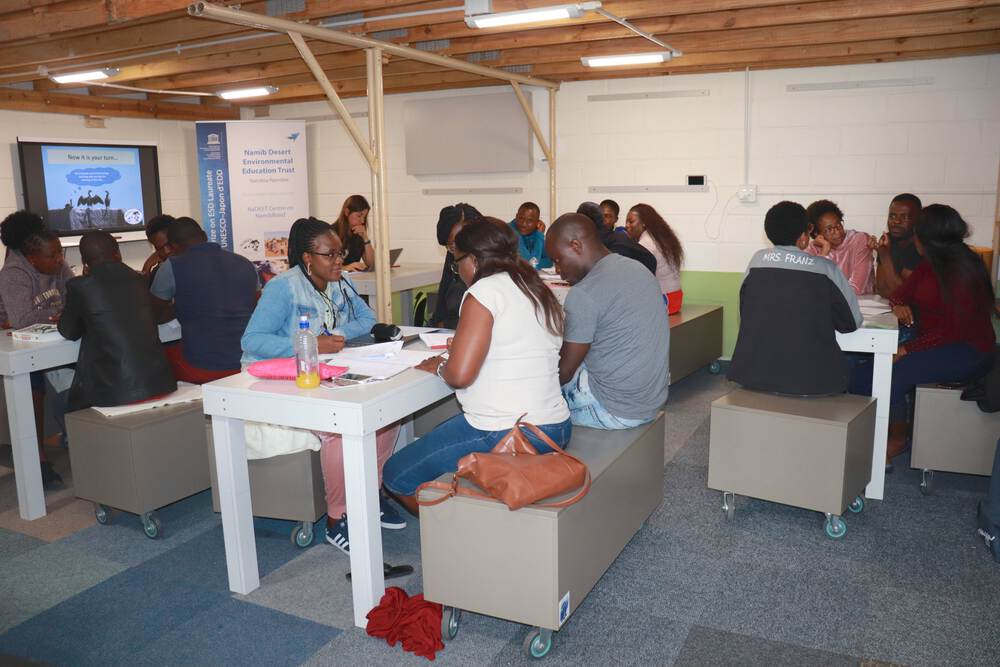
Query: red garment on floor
[(413, 622)]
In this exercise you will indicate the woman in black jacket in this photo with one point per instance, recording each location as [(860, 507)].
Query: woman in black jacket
[(451, 289)]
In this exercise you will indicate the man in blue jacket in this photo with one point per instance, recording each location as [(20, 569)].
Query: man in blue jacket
[(531, 244)]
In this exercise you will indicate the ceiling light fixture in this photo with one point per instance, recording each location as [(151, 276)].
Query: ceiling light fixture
[(626, 59), (243, 93), (478, 14), (78, 77)]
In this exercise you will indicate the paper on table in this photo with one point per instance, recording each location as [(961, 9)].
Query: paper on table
[(375, 351), (873, 301), (381, 369), (416, 331), (185, 394), (436, 341)]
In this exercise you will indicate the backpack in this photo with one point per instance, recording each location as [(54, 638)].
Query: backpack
[(988, 516)]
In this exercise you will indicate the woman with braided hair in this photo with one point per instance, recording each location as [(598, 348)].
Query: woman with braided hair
[(315, 286)]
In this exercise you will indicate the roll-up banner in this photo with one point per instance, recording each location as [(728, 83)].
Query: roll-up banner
[(254, 185)]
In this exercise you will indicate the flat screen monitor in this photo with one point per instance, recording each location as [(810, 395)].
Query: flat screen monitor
[(77, 187)]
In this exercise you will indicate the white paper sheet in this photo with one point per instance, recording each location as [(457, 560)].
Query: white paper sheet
[(416, 331), (185, 394), (436, 341)]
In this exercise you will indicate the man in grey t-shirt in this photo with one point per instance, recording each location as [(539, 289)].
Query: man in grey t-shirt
[(614, 364)]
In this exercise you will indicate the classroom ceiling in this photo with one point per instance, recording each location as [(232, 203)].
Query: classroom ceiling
[(156, 45)]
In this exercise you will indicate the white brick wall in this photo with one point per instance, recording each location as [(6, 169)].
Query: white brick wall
[(856, 147)]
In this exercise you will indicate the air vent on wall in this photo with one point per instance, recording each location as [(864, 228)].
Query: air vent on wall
[(517, 69), (282, 7), (432, 45), (473, 191), (663, 94), (386, 35), (480, 56)]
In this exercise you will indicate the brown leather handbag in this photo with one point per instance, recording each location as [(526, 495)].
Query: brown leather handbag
[(516, 474)]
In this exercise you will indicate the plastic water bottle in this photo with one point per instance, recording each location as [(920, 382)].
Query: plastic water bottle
[(306, 356)]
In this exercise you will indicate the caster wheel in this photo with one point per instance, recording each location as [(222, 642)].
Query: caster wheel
[(102, 513), (302, 534), (151, 526), (927, 482), (857, 505), (450, 620), (538, 643), (715, 367), (835, 527), (729, 505)]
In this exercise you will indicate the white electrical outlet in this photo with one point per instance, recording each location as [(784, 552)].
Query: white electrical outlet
[(747, 194)]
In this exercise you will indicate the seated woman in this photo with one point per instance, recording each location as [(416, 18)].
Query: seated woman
[(33, 291), (954, 339), (503, 361), (451, 288), (849, 249), (645, 226), (352, 229), (314, 285)]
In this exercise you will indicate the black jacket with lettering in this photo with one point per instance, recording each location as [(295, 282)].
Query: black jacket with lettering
[(791, 306), (121, 360)]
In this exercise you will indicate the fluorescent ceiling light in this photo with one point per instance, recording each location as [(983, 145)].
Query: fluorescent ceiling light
[(92, 75), (553, 13), (242, 93), (627, 59)]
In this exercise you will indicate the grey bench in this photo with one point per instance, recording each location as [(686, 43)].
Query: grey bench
[(951, 435), (813, 453), (536, 565), (695, 340), (138, 462)]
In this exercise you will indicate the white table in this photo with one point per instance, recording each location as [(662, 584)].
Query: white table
[(403, 279), (17, 360), (879, 334), (356, 413)]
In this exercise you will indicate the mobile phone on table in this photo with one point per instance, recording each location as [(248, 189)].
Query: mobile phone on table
[(348, 379)]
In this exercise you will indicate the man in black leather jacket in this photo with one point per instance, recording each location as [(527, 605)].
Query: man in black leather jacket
[(121, 360)]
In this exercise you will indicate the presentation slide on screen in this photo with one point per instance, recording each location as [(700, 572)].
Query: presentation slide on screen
[(92, 187)]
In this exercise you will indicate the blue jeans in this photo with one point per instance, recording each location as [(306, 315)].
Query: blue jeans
[(957, 362), (586, 410), (438, 452)]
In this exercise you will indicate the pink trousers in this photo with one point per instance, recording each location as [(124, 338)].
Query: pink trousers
[(332, 457)]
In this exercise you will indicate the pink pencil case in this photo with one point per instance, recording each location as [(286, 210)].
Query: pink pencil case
[(284, 369)]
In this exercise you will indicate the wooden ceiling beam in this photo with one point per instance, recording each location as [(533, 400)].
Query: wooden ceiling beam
[(106, 43), (27, 100), (412, 85), (350, 81), (72, 15), (693, 44), (727, 39), (557, 63)]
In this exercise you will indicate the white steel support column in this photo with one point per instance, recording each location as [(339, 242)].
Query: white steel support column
[(380, 213)]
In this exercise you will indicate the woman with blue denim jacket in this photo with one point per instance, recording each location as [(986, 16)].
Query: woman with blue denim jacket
[(316, 287)]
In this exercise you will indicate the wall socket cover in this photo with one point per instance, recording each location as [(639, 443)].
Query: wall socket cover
[(747, 193)]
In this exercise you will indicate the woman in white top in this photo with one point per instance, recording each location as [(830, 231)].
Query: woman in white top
[(503, 361), (647, 227)]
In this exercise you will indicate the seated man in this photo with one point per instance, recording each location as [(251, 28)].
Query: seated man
[(531, 243), (897, 254), (121, 360), (620, 244), (791, 306), (610, 211), (156, 234), (212, 292), (614, 362)]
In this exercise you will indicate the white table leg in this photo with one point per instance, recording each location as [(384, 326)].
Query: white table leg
[(234, 501), (405, 433), (881, 387), (24, 442), (361, 485)]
